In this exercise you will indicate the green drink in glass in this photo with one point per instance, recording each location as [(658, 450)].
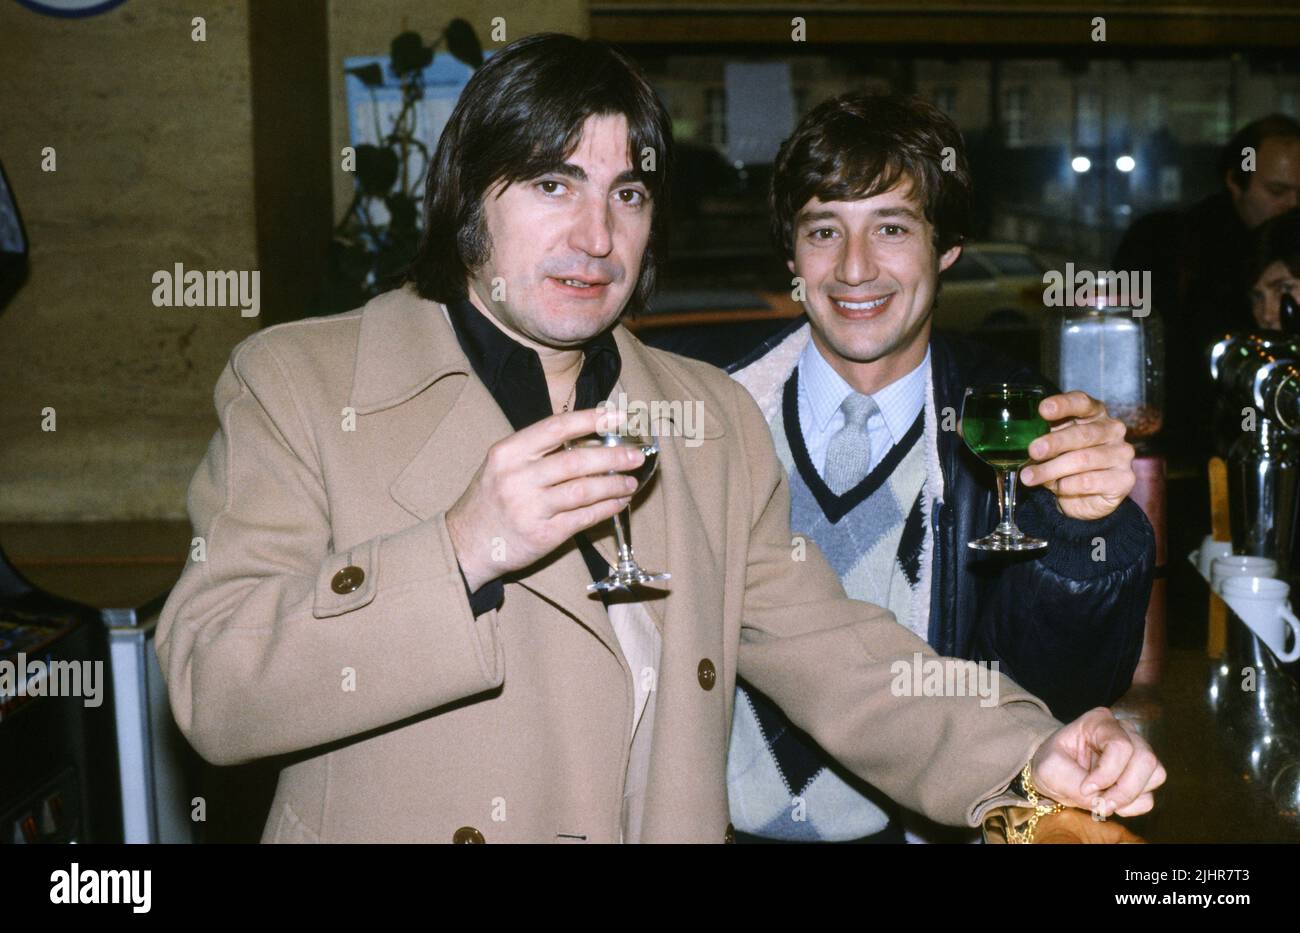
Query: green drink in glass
[(998, 422)]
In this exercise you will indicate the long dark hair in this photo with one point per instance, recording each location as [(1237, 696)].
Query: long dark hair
[(519, 117)]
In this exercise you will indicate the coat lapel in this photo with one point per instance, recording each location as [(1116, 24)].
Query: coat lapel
[(406, 345)]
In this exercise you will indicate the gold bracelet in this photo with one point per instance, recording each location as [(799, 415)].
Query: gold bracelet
[(1026, 835)]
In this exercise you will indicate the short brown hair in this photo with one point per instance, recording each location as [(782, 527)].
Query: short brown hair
[(519, 116), (859, 145)]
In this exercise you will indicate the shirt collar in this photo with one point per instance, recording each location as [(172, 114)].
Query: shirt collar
[(902, 400), (826, 388), (513, 372), (899, 402)]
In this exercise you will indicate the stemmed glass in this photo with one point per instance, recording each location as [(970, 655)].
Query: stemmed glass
[(998, 422), (628, 573)]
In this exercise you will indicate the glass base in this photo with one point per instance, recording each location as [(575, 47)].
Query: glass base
[(626, 578), (1003, 541)]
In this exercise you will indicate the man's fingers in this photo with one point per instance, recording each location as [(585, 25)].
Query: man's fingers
[(564, 465), (1116, 747), (584, 518), (1116, 483), (1076, 436), (1070, 405), (588, 490), (549, 433), (1141, 805), (1067, 464), (1134, 781)]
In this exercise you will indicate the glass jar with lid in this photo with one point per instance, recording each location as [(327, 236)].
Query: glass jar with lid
[(1115, 354)]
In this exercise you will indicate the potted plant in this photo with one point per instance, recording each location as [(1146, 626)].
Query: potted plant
[(367, 254)]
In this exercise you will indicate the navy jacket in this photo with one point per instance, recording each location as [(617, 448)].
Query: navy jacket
[(1063, 625)]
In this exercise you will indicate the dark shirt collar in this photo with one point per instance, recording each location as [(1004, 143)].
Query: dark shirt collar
[(513, 372), (513, 375)]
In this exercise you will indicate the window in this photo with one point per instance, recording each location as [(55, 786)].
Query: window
[(1020, 115), (800, 101), (1088, 118), (1157, 114), (1014, 114), (945, 98), (715, 102), (1286, 102)]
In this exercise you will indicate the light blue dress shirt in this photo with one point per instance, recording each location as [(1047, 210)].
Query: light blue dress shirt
[(822, 390)]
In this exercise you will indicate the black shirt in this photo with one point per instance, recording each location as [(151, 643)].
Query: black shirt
[(513, 376)]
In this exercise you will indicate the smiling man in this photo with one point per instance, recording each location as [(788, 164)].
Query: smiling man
[(399, 545), (870, 201)]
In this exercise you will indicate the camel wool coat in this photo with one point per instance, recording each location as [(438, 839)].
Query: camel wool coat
[(328, 622)]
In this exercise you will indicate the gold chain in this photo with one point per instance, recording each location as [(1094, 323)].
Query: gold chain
[(573, 390), (1026, 835)]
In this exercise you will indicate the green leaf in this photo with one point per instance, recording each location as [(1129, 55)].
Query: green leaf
[(377, 169), (371, 75), (463, 43), (409, 53)]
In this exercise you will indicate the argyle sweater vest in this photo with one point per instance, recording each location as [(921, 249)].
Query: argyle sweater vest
[(782, 785)]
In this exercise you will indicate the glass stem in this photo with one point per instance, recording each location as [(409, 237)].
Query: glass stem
[(1007, 503), (623, 535)]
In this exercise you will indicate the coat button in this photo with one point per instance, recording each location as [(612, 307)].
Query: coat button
[(467, 835), (707, 674), (347, 580)]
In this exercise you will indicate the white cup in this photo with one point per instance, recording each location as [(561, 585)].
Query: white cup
[(1239, 565), (1261, 603), (1209, 550)]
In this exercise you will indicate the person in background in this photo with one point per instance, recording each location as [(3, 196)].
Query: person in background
[(861, 399), (1274, 268), (1198, 259)]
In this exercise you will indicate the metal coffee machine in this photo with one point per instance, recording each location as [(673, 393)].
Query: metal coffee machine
[(1259, 377)]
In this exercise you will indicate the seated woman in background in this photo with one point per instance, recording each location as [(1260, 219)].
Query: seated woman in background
[(1275, 271)]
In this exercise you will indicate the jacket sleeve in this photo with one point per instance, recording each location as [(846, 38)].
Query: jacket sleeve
[(842, 670), (263, 648), (1068, 625)]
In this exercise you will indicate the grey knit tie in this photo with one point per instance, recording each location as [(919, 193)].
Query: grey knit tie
[(848, 455)]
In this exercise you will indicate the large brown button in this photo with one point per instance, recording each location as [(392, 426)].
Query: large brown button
[(347, 580), (467, 835), (707, 674), (729, 837)]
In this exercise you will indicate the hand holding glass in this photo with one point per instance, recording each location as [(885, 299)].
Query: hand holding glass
[(628, 573), (998, 422)]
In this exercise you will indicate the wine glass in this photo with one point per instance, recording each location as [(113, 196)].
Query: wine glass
[(628, 573), (998, 422)]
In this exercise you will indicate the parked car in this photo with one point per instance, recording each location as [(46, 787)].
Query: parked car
[(992, 287)]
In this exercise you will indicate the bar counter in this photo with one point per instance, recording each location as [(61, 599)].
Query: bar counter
[(1233, 756)]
